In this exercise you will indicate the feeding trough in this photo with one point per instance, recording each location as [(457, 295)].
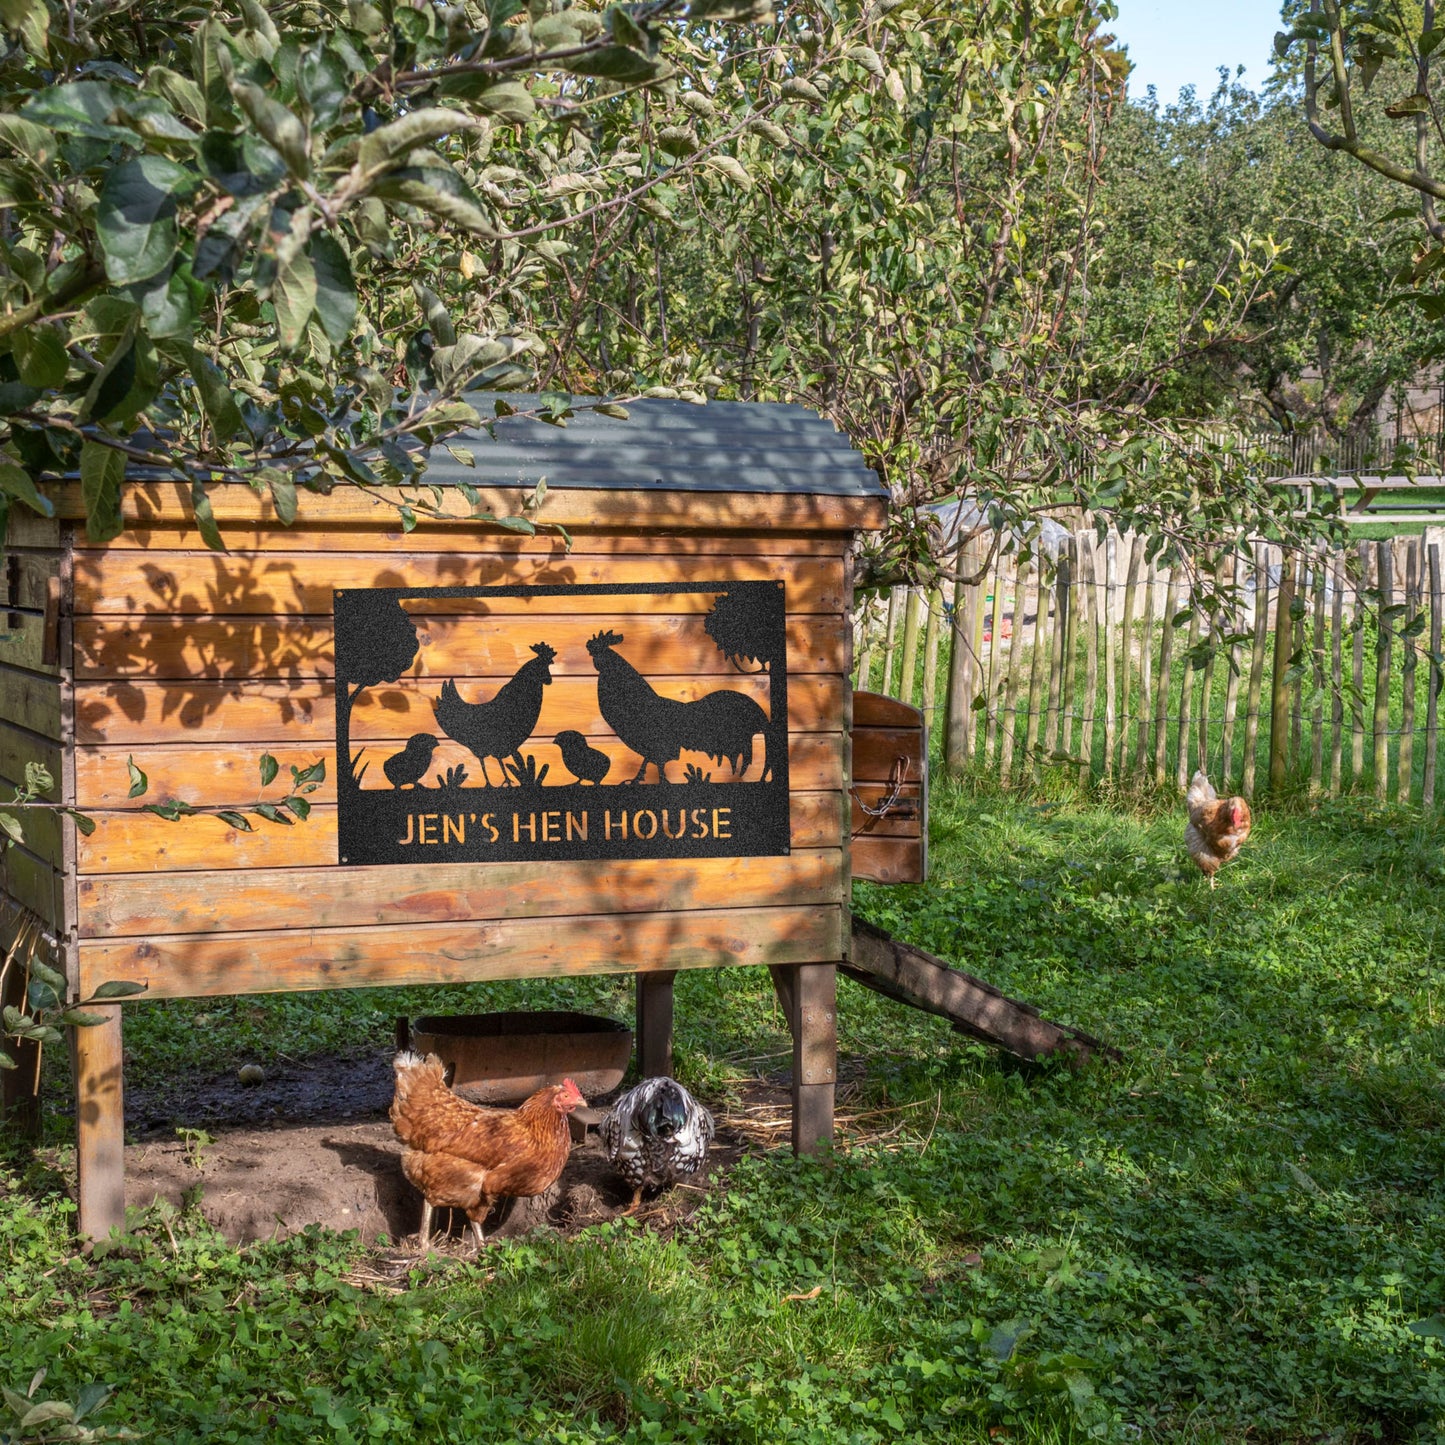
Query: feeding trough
[(501, 1058)]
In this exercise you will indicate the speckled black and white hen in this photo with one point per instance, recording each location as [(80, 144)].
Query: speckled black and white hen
[(656, 1133)]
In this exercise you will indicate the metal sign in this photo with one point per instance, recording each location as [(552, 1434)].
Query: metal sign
[(481, 724)]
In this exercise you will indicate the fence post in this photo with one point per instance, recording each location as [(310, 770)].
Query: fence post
[(1109, 611), (1161, 683), (890, 640), (1407, 681), (912, 623), (1056, 651), (1231, 681), (1432, 691), (1186, 697), (960, 662), (1357, 669), (1043, 598), (1279, 686), (1337, 675), (1256, 666), (1384, 563), (1126, 644), (995, 677), (1071, 635), (1146, 664), (930, 658), (1008, 723), (1089, 620), (865, 653)]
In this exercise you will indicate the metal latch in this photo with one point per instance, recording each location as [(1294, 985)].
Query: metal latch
[(893, 806)]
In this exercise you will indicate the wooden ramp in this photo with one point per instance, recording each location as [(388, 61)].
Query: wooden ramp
[(909, 975)]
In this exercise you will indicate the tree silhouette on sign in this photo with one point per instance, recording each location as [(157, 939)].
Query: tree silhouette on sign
[(379, 643), (744, 632)]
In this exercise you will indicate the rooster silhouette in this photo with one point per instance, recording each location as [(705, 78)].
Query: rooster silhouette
[(498, 728), (722, 724)]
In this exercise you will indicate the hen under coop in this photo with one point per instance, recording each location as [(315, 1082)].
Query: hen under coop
[(524, 758)]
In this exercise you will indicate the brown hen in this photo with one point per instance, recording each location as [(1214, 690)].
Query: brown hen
[(1217, 826), (462, 1156)]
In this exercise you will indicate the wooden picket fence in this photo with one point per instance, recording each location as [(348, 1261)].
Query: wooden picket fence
[(1307, 671)]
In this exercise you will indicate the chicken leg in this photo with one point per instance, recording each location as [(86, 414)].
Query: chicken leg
[(423, 1235)]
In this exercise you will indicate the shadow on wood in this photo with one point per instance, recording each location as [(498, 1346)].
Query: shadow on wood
[(909, 975)]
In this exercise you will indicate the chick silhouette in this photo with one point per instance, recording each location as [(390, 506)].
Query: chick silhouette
[(588, 763), (411, 762)]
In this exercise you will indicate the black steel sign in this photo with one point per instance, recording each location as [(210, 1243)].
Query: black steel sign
[(491, 724)]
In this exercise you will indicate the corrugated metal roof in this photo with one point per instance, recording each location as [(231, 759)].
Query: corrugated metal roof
[(675, 446)]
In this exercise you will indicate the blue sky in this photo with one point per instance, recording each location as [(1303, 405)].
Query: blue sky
[(1183, 42)]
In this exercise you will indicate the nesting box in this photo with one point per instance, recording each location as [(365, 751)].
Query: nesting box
[(620, 743)]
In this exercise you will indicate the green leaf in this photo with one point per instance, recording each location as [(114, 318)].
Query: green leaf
[(91, 1397), (299, 806), (31, 21), (40, 355), (15, 482), (1417, 104), (294, 297), (205, 516), (38, 778), (510, 101), (84, 107), (1432, 1328), (85, 825), (269, 768), (620, 63), (733, 169), (272, 813), (308, 778), (42, 970), (335, 288), (730, 9), (46, 1412), (102, 470), (283, 493), (82, 1020), (419, 127), (138, 780), (135, 220), (116, 988), (169, 302), (10, 826), (280, 129), (440, 191), (626, 31), (172, 812), (239, 821), (217, 400)]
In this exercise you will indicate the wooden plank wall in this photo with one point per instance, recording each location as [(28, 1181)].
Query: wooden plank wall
[(31, 873), (197, 662)]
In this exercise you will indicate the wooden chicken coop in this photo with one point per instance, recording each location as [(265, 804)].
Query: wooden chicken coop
[(627, 754)]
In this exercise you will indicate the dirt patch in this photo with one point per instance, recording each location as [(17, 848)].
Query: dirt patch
[(311, 1144)]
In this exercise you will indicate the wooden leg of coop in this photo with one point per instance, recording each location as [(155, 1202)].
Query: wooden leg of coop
[(808, 995), (654, 1024), (99, 1123)]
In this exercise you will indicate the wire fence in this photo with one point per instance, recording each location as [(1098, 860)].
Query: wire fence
[(1319, 668)]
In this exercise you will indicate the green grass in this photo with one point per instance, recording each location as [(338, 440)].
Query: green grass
[(1225, 1236)]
